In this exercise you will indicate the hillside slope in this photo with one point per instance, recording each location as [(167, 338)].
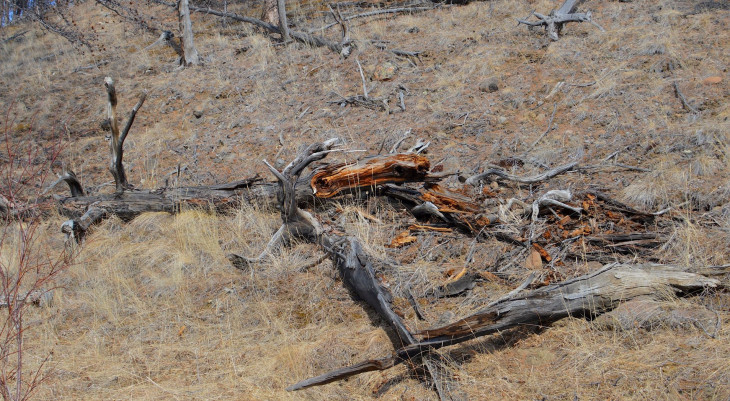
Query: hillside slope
[(152, 309)]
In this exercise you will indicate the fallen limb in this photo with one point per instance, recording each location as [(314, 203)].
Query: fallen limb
[(475, 179), (589, 295), (681, 97), (554, 22), (130, 204)]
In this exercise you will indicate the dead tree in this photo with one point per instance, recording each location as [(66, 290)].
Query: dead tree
[(354, 265), (190, 53), (554, 21), (585, 296), (302, 37), (116, 166), (283, 25)]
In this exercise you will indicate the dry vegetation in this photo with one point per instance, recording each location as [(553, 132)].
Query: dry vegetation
[(152, 309)]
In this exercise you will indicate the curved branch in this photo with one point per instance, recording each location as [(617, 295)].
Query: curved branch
[(473, 180)]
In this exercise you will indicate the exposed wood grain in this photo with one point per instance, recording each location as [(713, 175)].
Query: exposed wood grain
[(369, 172), (589, 295)]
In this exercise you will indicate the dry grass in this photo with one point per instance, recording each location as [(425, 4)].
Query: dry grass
[(152, 309)]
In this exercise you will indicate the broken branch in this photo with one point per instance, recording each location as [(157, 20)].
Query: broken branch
[(473, 180)]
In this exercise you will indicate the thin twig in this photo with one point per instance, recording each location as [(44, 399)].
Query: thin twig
[(681, 97), (362, 76)]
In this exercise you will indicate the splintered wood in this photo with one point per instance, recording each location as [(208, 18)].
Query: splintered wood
[(370, 172)]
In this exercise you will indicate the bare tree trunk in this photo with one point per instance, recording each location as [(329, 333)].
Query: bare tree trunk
[(283, 25), (190, 53)]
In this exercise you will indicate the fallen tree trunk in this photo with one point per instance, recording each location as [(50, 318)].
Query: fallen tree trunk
[(585, 296), (369, 172), (358, 274), (84, 211), (353, 263)]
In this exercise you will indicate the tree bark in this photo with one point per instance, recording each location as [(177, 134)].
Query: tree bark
[(585, 296), (190, 53), (283, 25)]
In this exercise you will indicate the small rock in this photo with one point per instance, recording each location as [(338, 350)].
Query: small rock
[(489, 86), (533, 261), (712, 80), (385, 71), (198, 113), (413, 30), (502, 119)]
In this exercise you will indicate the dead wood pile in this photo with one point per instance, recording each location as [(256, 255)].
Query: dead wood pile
[(546, 231)]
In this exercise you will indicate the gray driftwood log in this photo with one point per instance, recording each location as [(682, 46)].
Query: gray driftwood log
[(554, 21), (190, 53), (585, 296)]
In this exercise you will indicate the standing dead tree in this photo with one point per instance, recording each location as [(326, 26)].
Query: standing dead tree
[(190, 53), (554, 21), (302, 37), (283, 24)]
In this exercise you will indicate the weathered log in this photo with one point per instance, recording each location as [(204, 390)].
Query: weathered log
[(475, 179), (130, 204), (190, 53), (358, 274), (585, 296), (556, 19), (352, 261)]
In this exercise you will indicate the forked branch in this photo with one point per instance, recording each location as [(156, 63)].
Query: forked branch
[(116, 166), (554, 22)]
